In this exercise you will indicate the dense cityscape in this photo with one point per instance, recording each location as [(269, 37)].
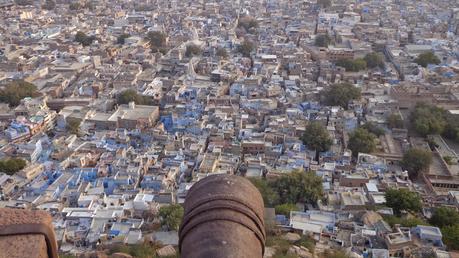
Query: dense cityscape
[(343, 113)]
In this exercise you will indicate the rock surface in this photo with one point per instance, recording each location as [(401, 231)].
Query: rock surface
[(269, 252), (120, 255), (300, 251), (291, 237), (168, 250)]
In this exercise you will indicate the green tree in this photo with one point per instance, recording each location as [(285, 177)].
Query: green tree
[(411, 36), (80, 36), (16, 90), (395, 121), (222, 53), (444, 216), (171, 216), (322, 40), (73, 126), (403, 199), (270, 197), (359, 64), (449, 160), (451, 236), (352, 65), (248, 23), (89, 5), (324, 3), (192, 50), (361, 141), (285, 209), (416, 161), (120, 40), (157, 41), (405, 221), (451, 130), (317, 138), (49, 5), (427, 58), (75, 6), (84, 39), (374, 128), (132, 96), (11, 166), (246, 48), (128, 96), (298, 186), (432, 143), (340, 95), (374, 60), (427, 119), (24, 2)]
